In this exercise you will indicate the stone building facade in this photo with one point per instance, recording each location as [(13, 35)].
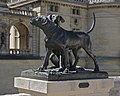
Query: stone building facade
[(78, 16), (19, 38), (25, 39), (14, 24), (74, 15), (106, 35)]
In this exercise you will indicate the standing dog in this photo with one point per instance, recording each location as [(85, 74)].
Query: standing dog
[(55, 56), (62, 41)]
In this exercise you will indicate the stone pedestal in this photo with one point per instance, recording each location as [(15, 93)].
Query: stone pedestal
[(90, 87), (115, 91)]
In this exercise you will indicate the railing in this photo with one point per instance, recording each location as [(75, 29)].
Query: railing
[(78, 1), (5, 1), (19, 51), (23, 12), (101, 1), (18, 12)]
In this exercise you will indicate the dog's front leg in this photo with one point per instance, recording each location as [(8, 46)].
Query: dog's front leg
[(46, 60), (66, 60)]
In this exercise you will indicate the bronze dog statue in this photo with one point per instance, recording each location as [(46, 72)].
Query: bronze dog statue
[(55, 56), (63, 40)]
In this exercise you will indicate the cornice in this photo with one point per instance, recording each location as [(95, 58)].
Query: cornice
[(20, 3), (104, 5), (66, 4), (54, 2)]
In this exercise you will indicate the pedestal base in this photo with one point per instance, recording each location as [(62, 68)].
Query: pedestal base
[(90, 87), (58, 76), (115, 91)]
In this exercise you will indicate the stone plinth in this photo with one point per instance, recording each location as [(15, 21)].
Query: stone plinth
[(55, 75), (115, 91), (91, 87)]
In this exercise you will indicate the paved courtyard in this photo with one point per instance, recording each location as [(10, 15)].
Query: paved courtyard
[(12, 68)]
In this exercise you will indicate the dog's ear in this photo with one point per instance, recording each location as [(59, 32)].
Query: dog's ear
[(45, 20), (50, 17), (59, 19), (62, 19)]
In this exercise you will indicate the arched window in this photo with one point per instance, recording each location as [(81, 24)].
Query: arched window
[(14, 38), (19, 36)]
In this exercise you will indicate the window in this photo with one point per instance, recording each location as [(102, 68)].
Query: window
[(14, 38), (73, 11), (76, 21), (76, 11), (53, 8)]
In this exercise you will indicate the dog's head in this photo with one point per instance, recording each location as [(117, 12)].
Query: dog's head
[(57, 19), (39, 21)]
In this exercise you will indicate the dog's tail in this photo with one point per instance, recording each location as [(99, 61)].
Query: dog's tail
[(93, 24)]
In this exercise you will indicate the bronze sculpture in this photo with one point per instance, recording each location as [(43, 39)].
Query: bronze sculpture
[(61, 40), (60, 43), (55, 56)]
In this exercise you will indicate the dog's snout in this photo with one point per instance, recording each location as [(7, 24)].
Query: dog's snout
[(31, 19), (30, 22)]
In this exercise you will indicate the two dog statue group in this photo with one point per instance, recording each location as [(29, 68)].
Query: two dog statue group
[(61, 43)]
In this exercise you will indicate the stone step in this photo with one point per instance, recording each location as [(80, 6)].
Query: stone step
[(20, 94)]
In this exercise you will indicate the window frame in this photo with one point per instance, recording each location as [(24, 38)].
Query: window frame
[(53, 8), (75, 11)]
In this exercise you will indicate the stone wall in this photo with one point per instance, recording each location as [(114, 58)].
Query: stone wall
[(106, 36)]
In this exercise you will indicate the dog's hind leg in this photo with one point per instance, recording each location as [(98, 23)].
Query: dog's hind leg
[(55, 60), (70, 58), (96, 69), (76, 55)]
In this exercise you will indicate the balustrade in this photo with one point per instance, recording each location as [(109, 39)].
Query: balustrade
[(5, 1), (23, 12), (101, 1), (78, 1), (19, 51)]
